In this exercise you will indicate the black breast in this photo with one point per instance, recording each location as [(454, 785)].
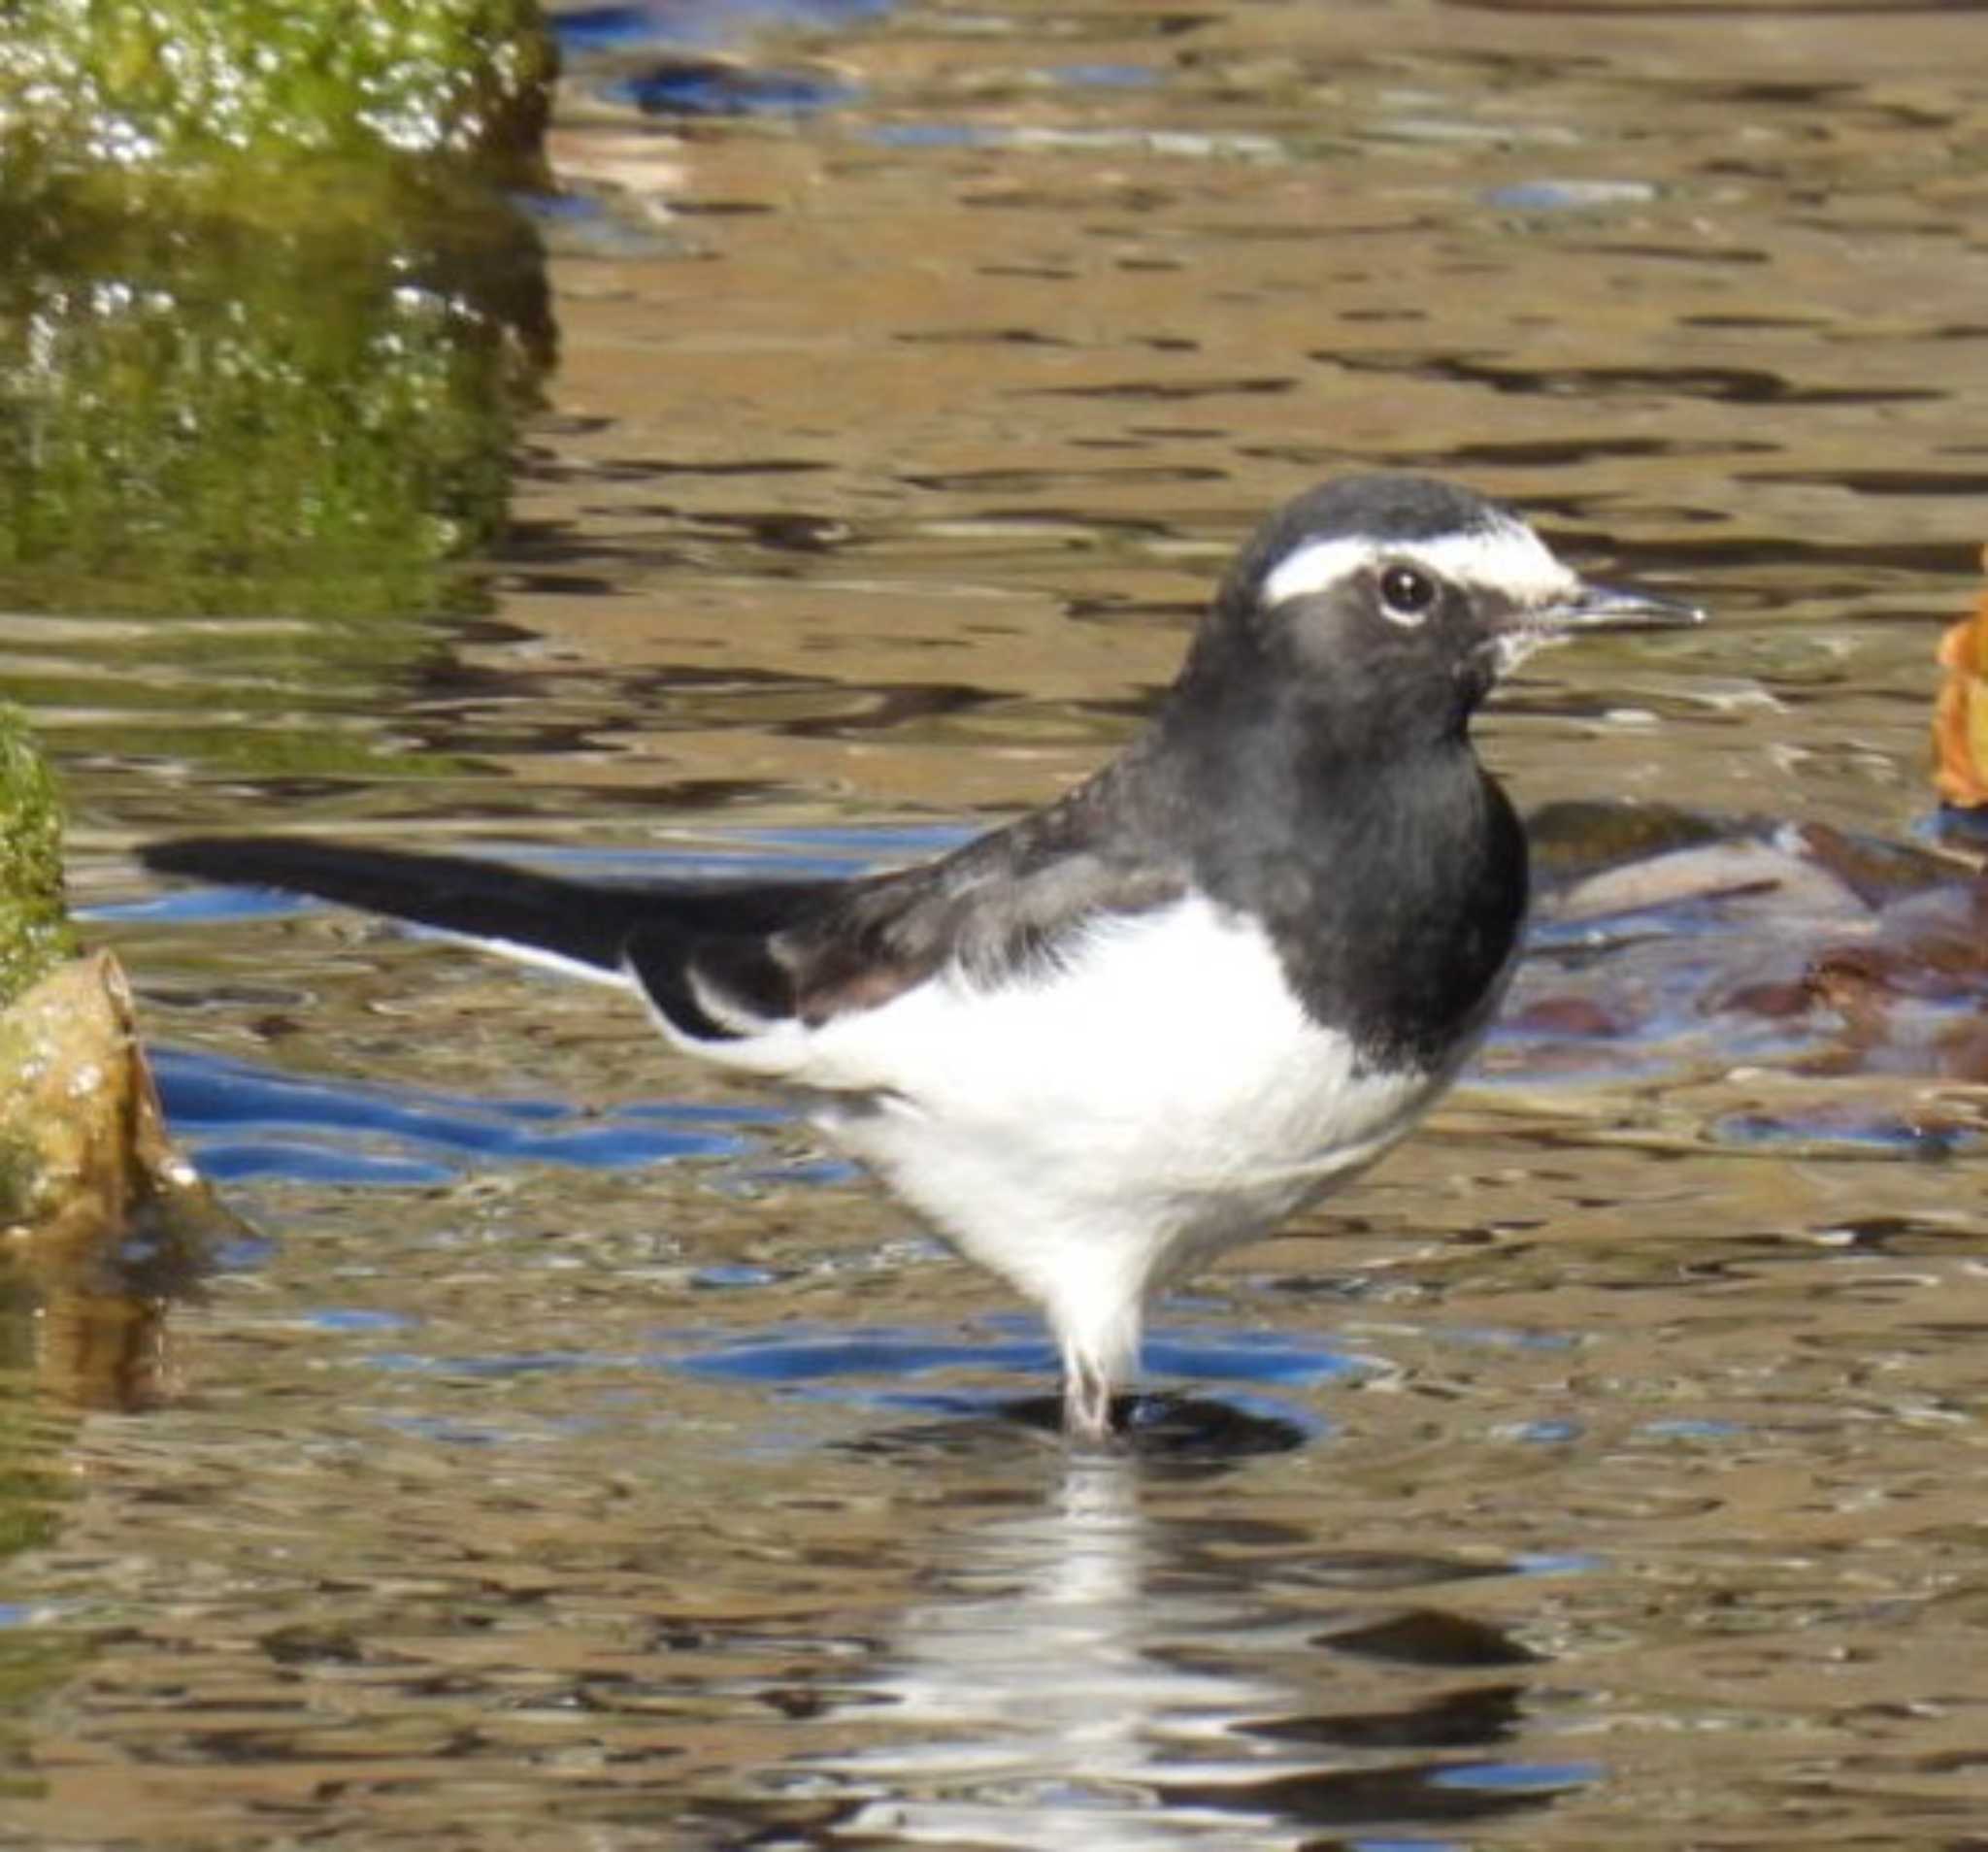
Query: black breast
[(1394, 901), (1408, 929)]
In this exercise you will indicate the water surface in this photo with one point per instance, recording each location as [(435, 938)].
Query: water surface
[(577, 1452)]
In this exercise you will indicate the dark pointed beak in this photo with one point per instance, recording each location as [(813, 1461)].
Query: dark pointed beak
[(1615, 607)]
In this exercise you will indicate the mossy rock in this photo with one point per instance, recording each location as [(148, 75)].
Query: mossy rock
[(268, 323), (88, 1174), (180, 86), (34, 928), (199, 415)]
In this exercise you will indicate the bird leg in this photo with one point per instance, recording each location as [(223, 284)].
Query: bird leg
[(1086, 1396)]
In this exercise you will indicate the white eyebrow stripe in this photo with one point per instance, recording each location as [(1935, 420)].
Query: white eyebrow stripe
[(1509, 558)]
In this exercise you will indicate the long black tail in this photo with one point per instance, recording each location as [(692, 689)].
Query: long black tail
[(587, 924)]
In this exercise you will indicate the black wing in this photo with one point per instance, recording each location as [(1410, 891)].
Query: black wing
[(724, 959)]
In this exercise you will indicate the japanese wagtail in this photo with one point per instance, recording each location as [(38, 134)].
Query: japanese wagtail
[(1131, 1031)]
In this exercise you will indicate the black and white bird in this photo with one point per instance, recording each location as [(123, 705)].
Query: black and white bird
[(1131, 1031)]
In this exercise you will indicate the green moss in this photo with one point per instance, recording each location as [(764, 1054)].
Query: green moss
[(20, 1165), (34, 929), (267, 328), (172, 86), (199, 417)]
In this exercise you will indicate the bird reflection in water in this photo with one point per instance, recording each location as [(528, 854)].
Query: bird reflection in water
[(1117, 1670)]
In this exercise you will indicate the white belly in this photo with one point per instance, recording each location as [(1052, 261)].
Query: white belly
[(1115, 1123)]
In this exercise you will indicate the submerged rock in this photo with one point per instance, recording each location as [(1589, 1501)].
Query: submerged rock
[(100, 1217), (80, 1121), (1741, 943), (270, 320)]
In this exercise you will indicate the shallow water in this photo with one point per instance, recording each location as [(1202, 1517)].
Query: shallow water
[(576, 1454)]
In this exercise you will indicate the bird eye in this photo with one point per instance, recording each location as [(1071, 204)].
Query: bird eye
[(1407, 594)]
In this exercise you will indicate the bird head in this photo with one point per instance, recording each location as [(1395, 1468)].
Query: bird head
[(1397, 602)]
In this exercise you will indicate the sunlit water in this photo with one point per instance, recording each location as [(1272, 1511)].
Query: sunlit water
[(576, 1455)]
